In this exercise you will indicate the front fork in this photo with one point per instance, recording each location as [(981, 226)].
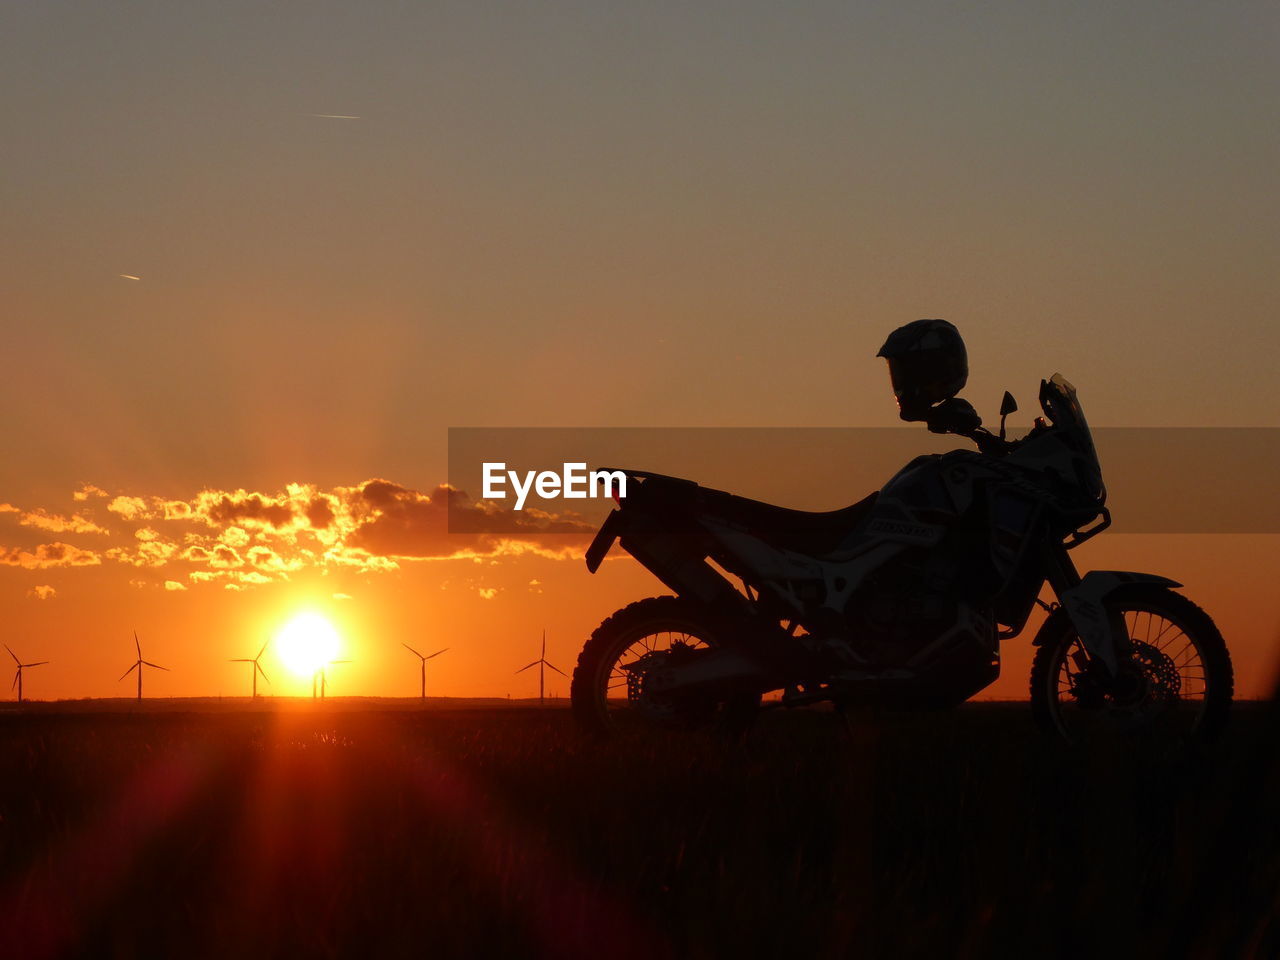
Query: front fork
[(1103, 635)]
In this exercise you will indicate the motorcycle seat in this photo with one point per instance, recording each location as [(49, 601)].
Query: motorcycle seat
[(800, 531)]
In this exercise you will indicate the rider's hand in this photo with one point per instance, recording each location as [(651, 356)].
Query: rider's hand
[(953, 416)]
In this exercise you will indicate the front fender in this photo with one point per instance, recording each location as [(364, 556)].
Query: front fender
[(1084, 606)]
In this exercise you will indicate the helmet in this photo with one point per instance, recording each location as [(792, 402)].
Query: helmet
[(927, 364)]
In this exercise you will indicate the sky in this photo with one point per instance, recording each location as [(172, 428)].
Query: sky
[(573, 214)]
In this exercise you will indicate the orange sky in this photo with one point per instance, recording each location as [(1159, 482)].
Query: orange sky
[(573, 214)]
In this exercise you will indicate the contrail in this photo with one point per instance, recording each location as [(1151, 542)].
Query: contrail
[(333, 116), (127, 276)]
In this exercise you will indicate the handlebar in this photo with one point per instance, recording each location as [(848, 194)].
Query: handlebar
[(989, 444)]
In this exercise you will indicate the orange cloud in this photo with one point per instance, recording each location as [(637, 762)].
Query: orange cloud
[(131, 508), (54, 523), (395, 521), (243, 538), (245, 508), (151, 551), (41, 519), (42, 592), (48, 555)]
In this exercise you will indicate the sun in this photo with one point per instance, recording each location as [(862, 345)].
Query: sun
[(306, 643)]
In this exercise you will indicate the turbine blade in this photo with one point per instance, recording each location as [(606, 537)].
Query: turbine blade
[(436, 654), (14, 655), (156, 665), (38, 663), (129, 671), (16, 674), (557, 670), (339, 661), (534, 664), (137, 644), (544, 643), (263, 650), (261, 671), (410, 649), (241, 660)]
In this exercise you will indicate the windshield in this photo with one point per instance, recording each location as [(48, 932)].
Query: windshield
[(1061, 405)]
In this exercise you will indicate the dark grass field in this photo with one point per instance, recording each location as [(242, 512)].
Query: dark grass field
[(371, 830)]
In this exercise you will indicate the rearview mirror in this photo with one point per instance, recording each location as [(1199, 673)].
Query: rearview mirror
[(1007, 406)]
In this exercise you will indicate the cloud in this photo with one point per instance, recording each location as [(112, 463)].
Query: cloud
[(131, 508), (48, 555), (42, 592), (224, 558), (395, 521), (245, 507), (487, 593), (264, 558), (151, 550), (320, 512), (241, 538), (174, 585), (54, 523), (175, 509), (42, 519)]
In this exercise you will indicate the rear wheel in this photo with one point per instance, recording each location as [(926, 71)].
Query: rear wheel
[(1177, 683), (608, 690)]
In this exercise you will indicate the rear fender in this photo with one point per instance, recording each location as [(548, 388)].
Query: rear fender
[(609, 531), (1084, 605)]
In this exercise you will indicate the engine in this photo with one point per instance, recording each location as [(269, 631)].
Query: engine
[(898, 611)]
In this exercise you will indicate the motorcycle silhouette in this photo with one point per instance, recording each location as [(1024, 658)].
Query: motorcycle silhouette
[(902, 598)]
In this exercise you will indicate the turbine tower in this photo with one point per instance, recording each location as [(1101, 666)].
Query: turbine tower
[(139, 664), (321, 676), (257, 667), (17, 677), (542, 663), (424, 665)]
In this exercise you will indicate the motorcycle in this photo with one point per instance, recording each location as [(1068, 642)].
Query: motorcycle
[(902, 598)]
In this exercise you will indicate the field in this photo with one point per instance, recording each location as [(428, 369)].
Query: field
[(369, 828)]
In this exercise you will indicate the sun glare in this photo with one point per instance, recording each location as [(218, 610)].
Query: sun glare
[(306, 643)]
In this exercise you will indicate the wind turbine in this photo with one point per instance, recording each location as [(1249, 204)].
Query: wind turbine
[(17, 677), (542, 663), (257, 667), (320, 675), (424, 665), (139, 664)]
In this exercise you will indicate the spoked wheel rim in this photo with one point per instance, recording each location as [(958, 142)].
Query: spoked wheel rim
[(1163, 690), (621, 695)]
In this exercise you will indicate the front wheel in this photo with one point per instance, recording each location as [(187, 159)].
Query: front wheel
[(1177, 681), (608, 690)]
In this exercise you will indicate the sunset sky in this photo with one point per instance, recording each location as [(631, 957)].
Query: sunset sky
[(257, 259)]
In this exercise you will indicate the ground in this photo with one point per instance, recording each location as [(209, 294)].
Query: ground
[(382, 828)]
